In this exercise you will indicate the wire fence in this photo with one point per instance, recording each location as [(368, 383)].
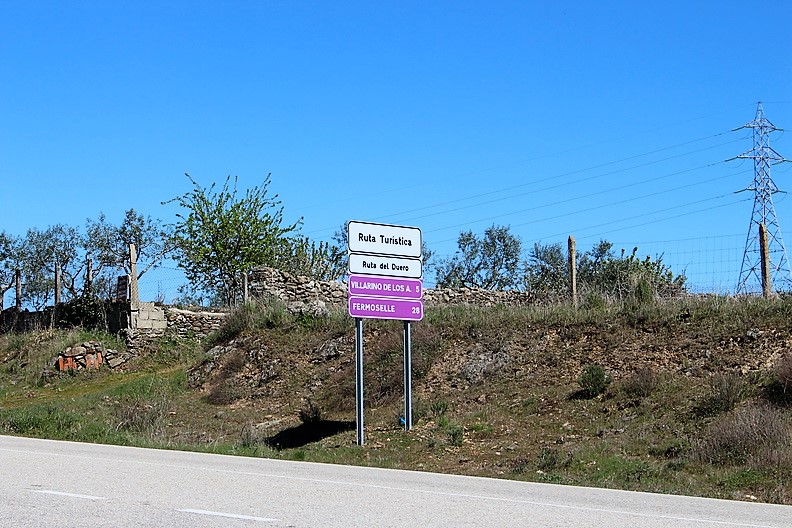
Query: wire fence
[(165, 284), (710, 265)]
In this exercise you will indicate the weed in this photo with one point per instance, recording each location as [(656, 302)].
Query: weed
[(259, 314), (146, 416), (521, 465)]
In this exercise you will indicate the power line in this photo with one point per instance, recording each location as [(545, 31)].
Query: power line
[(589, 195), (551, 178)]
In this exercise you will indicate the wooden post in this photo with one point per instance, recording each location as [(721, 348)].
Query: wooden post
[(572, 270), (18, 279), (134, 294), (764, 250), (245, 287)]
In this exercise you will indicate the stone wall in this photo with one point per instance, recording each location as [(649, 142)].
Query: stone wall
[(187, 323), (266, 282)]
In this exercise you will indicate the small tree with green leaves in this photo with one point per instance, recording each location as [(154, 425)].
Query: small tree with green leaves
[(320, 261), (223, 235), (9, 251), (491, 262), (108, 244), (547, 272), (40, 253)]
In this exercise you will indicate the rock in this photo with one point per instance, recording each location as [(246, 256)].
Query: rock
[(74, 351)]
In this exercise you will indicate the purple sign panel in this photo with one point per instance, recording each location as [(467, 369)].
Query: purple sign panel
[(379, 308), (385, 287)]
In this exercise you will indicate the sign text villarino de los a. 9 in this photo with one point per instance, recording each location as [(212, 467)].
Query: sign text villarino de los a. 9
[(385, 271)]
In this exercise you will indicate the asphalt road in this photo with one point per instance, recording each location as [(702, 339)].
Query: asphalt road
[(47, 483)]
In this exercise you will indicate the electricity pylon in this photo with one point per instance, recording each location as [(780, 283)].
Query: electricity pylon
[(764, 188)]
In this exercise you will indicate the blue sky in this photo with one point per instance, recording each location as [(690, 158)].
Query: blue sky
[(605, 120)]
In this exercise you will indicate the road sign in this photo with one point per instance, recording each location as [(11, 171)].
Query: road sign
[(385, 266), (384, 239), (381, 308), (385, 287)]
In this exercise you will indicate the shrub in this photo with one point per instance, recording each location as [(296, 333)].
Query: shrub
[(311, 413), (784, 373), (550, 459), (456, 434), (593, 381), (438, 408), (641, 383), (726, 391), (758, 433)]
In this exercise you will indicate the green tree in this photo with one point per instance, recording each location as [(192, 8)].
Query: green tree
[(601, 271), (320, 261), (491, 262), (41, 253), (223, 235), (9, 250), (547, 271), (108, 244)]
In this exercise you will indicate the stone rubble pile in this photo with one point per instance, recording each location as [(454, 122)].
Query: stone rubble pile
[(89, 355)]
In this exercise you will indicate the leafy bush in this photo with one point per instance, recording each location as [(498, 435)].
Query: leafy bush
[(594, 381), (456, 434)]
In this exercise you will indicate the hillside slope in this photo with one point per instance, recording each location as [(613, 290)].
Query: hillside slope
[(691, 397)]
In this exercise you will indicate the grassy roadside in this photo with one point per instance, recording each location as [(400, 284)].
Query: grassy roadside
[(687, 397)]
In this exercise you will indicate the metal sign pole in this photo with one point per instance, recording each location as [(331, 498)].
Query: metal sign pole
[(407, 377), (359, 378)]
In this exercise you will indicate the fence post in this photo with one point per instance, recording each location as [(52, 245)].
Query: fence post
[(764, 250), (134, 293), (245, 295), (57, 284), (18, 280), (572, 270), (88, 289)]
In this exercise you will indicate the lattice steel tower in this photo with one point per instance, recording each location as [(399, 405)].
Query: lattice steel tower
[(763, 213)]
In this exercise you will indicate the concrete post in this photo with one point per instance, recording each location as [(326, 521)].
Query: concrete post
[(572, 270), (764, 249), (18, 279), (134, 293), (57, 284), (88, 289)]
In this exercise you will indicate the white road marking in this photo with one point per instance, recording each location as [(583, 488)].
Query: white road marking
[(229, 515), (412, 490), (65, 494)]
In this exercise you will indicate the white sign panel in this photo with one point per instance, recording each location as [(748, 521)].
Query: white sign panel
[(384, 239), (385, 266)]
